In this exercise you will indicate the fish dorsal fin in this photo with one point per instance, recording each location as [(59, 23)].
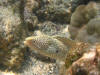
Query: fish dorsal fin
[(38, 33), (66, 41)]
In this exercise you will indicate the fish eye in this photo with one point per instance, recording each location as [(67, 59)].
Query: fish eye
[(57, 51)]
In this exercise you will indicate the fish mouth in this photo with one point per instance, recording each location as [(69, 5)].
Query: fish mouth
[(28, 41)]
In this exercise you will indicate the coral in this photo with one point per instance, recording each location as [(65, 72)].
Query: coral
[(81, 16), (50, 28), (56, 11), (11, 35), (91, 32), (87, 64), (29, 17), (90, 28)]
